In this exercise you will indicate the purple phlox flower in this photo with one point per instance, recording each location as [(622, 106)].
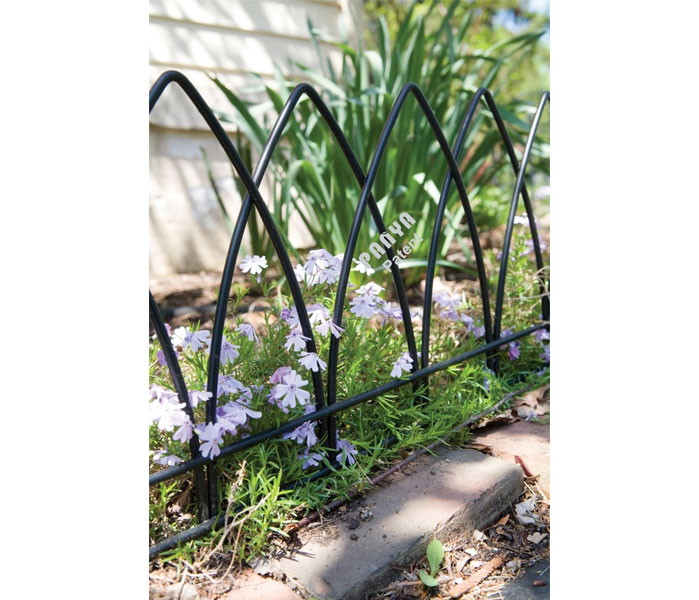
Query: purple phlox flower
[(168, 414), (278, 375), (546, 354), (252, 414), (449, 314), (155, 409), (296, 340), (301, 275), (329, 326), (212, 435), (167, 460), (486, 379), (308, 409), (505, 333), (303, 434), (348, 452), (157, 392), (178, 336), (362, 269), (227, 384), (370, 289), (389, 311), (317, 313), (229, 352), (168, 329), (277, 401), (404, 363), (513, 352), (530, 247), (528, 250), (227, 425), (290, 316), (195, 397), (290, 390), (253, 264), (542, 371), (184, 433), (310, 459), (322, 267), (446, 301), (235, 414), (197, 339), (542, 192), (541, 334), (330, 274), (248, 331), (161, 357), (479, 332), (448, 305), (312, 361), (258, 389), (245, 395), (468, 321), (318, 260), (365, 305)]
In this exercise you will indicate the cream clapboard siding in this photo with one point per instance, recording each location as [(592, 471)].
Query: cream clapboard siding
[(231, 39)]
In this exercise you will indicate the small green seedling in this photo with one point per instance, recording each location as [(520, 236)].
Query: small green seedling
[(435, 554)]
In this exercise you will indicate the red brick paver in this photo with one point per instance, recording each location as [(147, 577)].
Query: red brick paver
[(529, 441), (250, 586)]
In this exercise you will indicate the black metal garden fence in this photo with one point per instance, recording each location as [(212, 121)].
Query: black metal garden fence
[(327, 404)]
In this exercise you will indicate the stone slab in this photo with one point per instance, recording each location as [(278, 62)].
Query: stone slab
[(530, 441), (445, 496)]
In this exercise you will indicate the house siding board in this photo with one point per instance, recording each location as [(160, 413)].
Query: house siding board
[(230, 39)]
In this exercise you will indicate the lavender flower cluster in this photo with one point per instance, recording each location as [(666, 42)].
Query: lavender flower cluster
[(287, 389)]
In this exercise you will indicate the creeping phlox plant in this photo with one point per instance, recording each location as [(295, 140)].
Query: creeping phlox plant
[(265, 381)]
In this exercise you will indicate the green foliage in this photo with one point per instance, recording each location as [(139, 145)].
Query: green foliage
[(260, 479), (428, 580), (435, 555), (432, 46)]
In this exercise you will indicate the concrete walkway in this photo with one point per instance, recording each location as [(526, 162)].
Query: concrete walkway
[(446, 496)]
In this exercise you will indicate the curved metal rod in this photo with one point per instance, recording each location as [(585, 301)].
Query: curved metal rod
[(261, 167), (173, 366), (500, 298), (356, 224), (437, 228), (255, 198)]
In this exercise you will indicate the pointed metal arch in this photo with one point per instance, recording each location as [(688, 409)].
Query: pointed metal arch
[(436, 231), (408, 88)]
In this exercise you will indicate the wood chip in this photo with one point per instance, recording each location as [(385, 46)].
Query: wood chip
[(476, 578)]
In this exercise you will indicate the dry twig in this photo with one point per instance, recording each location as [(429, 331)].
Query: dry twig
[(473, 580)]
